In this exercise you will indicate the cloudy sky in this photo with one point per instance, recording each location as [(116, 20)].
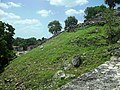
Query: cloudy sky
[(31, 17)]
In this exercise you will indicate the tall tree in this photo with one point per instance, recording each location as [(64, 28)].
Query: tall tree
[(6, 40), (90, 12), (70, 24), (112, 3), (54, 27)]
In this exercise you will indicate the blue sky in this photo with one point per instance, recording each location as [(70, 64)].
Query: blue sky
[(31, 17)]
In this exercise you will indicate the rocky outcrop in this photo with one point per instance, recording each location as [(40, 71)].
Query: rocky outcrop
[(104, 77)]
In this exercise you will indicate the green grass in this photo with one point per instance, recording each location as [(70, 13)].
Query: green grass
[(35, 70)]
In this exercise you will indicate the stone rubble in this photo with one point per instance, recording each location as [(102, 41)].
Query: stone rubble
[(104, 77)]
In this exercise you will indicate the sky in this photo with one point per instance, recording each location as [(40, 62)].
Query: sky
[(30, 18)]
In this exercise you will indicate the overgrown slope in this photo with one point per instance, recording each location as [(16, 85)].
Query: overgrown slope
[(36, 69)]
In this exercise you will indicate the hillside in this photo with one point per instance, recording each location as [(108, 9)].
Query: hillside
[(36, 69)]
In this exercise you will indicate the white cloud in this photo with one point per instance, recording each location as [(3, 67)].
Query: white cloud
[(2, 13), (28, 22), (71, 12), (7, 15), (44, 13), (68, 3), (9, 5), (23, 27), (17, 20), (13, 16)]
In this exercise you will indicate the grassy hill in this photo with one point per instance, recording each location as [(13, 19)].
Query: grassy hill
[(36, 69)]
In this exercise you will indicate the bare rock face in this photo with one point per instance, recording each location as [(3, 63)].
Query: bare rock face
[(76, 61)]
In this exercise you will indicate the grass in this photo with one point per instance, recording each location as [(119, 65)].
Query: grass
[(35, 70)]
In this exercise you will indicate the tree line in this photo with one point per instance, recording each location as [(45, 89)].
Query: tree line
[(25, 43)]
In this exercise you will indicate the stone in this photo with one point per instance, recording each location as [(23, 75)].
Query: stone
[(70, 76), (59, 75), (118, 41), (41, 47), (117, 53), (113, 58), (104, 77), (76, 61), (67, 66), (118, 58)]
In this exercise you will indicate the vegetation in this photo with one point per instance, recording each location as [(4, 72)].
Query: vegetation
[(71, 24), (36, 69), (91, 12), (112, 26), (6, 40), (112, 3), (21, 42), (54, 27)]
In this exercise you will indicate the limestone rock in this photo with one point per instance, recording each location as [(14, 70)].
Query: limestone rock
[(113, 58), (59, 74), (104, 77), (70, 76), (76, 61)]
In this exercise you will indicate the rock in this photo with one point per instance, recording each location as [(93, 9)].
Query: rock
[(41, 47), (76, 61), (21, 87), (113, 58), (117, 53), (9, 80), (104, 77), (70, 76), (118, 41), (67, 66), (59, 75)]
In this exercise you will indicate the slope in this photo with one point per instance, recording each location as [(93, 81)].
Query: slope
[(36, 69)]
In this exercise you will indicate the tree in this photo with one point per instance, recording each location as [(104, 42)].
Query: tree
[(91, 12), (6, 41), (70, 24), (112, 3), (54, 27), (21, 42)]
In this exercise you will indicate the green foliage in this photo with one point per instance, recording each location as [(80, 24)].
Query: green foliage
[(90, 12), (54, 27), (112, 26), (71, 24), (6, 41), (21, 42), (112, 3)]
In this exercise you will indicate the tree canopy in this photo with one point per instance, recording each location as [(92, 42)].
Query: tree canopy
[(90, 12), (54, 27), (21, 42), (70, 23), (6, 41), (112, 3)]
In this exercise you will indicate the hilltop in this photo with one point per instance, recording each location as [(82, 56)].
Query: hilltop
[(36, 69)]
